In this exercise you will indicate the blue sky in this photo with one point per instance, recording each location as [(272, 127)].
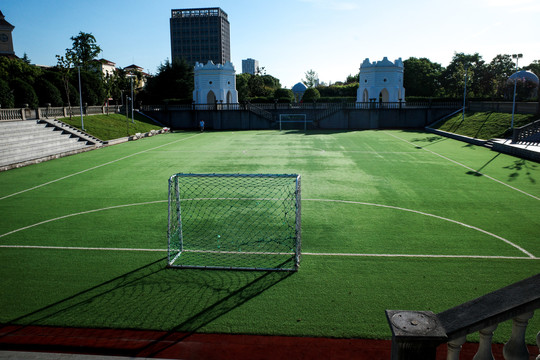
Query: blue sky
[(287, 37)]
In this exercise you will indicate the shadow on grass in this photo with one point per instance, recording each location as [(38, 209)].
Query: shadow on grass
[(483, 124), (478, 172), (156, 298), (310, 132), (520, 166), (430, 140)]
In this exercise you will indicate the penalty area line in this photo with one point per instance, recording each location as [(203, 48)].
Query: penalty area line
[(85, 248)]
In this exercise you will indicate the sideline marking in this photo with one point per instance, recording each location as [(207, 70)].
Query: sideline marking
[(320, 200), (264, 253), (465, 166), (95, 167)]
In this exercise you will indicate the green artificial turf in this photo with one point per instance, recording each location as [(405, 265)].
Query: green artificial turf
[(376, 194), (112, 126), (485, 125)]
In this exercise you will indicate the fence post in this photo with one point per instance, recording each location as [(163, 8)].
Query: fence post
[(415, 334)]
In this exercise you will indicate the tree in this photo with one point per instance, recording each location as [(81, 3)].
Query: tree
[(84, 49), (242, 86), (271, 82), (501, 66), (351, 79), (284, 95), (24, 94), (534, 67), (453, 77), (311, 94), (48, 93), (173, 82), (312, 79), (7, 100), (421, 77), (64, 65), (257, 87), (26, 59), (11, 69), (92, 87)]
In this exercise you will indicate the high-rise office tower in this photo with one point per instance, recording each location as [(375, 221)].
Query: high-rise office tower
[(250, 66), (199, 35)]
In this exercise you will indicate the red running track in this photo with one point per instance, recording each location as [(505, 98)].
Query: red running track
[(178, 345)]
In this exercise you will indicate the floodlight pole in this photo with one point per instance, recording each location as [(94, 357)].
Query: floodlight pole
[(127, 116), (80, 97), (465, 91), (517, 57), (131, 78)]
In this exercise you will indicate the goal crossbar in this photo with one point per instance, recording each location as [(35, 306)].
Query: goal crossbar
[(293, 118)]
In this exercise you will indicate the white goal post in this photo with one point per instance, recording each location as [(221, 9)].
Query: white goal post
[(234, 221), (293, 118)]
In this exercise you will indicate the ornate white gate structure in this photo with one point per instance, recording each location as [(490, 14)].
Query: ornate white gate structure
[(381, 81)]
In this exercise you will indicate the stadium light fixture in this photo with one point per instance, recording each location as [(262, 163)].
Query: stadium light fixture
[(517, 57)]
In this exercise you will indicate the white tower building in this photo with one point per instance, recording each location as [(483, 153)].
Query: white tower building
[(381, 81), (215, 84)]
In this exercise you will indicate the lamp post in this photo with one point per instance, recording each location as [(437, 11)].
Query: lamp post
[(465, 91), (127, 117), (80, 97), (131, 80), (517, 57)]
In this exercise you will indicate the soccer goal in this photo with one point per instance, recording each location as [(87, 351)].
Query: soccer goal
[(293, 121), (234, 221)]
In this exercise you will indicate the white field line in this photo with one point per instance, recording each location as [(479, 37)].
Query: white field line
[(466, 167), (431, 215), (80, 248), (426, 256), (95, 167), (81, 213), (77, 248), (320, 200)]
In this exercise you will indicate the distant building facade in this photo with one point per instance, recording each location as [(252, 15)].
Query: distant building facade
[(141, 80), (106, 67), (199, 35), (215, 84), (6, 39), (250, 66), (381, 81)]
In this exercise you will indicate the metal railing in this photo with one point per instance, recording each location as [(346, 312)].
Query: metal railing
[(54, 112), (521, 134), (305, 106), (416, 334)]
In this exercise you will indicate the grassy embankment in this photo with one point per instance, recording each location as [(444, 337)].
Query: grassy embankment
[(112, 126), (484, 125)]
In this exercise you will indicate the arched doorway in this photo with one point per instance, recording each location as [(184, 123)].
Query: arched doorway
[(365, 96), (211, 98), (384, 96)]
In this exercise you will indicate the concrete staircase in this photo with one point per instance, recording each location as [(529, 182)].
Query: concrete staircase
[(31, 141)]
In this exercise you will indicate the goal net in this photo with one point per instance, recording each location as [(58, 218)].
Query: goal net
[(293, 122), (234, 221)]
